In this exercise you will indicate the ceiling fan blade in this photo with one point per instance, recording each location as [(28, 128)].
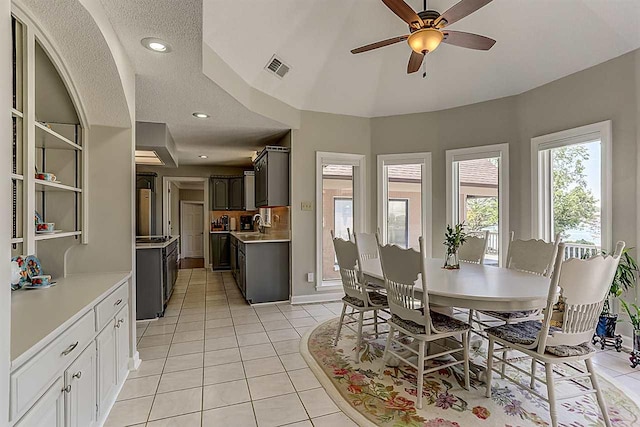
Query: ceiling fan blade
[(460, 10), (405, 12), (468, 40), (415, 61), (379, 44)]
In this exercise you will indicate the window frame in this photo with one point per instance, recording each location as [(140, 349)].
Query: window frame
[(452, 200), (541, 176), (423, 159), (358, 162)]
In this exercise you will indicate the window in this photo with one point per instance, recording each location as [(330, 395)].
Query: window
[(340, 201), (404, 199), (477, 194), (571, 188)]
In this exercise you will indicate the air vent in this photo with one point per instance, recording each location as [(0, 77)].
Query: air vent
[(277, 66)]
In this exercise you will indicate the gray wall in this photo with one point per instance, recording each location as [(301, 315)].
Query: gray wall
[(318, 132)]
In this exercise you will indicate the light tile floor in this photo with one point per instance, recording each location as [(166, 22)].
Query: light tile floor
[(213, 360)]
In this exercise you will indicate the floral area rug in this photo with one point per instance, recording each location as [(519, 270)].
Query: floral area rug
[(389, 400)]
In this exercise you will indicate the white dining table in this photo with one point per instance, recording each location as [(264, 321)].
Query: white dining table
[(476, 287)]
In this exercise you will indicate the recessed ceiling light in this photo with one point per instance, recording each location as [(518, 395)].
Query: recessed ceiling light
[(200, 115), (156, 45), (202, 156)]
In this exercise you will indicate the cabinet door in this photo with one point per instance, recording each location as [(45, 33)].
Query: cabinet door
[(236, 194), (107, 365), (261, 181), (122, 342), (234, 258), (220, 194), (225, 250), (80, 382), (49, 410), (215, 251), (242, 273)]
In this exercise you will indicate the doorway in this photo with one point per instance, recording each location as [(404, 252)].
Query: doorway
[(191, 232)]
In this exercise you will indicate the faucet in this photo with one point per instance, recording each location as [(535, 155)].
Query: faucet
[(258, 218)]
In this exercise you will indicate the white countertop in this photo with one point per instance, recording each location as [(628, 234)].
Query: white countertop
[(256, 237), (157, 245), (219, 231), (41, 314)]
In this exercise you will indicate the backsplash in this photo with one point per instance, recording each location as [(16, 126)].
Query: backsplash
[(280, 218), (214, 215)]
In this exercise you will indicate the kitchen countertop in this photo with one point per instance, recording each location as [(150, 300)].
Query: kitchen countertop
[(256, 237), (219, 231), (39, 315), (157, 245)]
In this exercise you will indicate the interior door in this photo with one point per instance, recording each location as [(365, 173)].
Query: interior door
[(192, 233)]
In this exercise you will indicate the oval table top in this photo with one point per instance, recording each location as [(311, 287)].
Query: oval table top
[(478, 287)]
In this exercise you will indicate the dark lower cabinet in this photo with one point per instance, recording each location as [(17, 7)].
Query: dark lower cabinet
[(220, 251), (262, 270)]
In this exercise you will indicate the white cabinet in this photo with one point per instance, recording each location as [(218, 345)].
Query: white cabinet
[(107, 366), (80, 388), (49, 410), (122, 343)]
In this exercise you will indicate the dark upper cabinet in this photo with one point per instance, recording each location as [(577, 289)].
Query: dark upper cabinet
[(227, 193), (272, 177), (236, 194), (220, 194)]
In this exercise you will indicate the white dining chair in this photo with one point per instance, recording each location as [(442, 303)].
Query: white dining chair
[(358, 296), (368, 257), (474, 249), (584, 285), (411, 316)]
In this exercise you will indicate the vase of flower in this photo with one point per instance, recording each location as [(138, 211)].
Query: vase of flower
[(454, 237)]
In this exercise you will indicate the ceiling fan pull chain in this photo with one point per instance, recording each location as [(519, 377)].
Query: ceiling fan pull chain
[(424, 67)]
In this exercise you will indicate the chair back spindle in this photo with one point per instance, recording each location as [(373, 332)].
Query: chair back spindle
[(347, 256), (532, 256)]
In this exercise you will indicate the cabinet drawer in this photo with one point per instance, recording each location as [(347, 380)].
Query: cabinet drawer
[(108, 307), (29, 381)]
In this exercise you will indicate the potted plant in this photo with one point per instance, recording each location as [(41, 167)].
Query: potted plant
[(624, 279), (634, 319), (454, 237)]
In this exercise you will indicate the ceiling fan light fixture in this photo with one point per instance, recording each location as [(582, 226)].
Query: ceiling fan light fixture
[(425, 40)]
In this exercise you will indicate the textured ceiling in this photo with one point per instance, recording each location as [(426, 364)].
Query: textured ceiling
[(80, 44), (538, 41), (170, 87)]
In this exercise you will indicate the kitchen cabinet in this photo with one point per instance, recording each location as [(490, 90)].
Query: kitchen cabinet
[(263, 271), (107, 366), (80, 388), (122, 343), (49, 410), (220, 251), (227, 193), (220, 194), (234, 257), (249, 191), (272, 177)]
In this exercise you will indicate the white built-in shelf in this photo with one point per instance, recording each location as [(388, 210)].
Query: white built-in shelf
[(17, 177), (42, 185), (48, 138), (57, 235), (16, 113), (16, 240)]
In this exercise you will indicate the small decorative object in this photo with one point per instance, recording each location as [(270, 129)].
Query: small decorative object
[(634, 319), (33, 266), (40, 282), (46, 176), (46, 227), (38, 218), (454, 237), (18, 273), (624, 279)]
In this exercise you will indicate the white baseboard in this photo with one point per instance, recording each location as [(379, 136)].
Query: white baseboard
[(134, 362), (315, 298)]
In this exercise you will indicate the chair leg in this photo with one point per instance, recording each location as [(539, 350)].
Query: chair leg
[(420, 375), (596, 386), (505, 357), (386, 349), (344, 310), (551, 394), (375, 322), (534, 365), (471, 317), (359, 344), (466, 339), (489, 373)]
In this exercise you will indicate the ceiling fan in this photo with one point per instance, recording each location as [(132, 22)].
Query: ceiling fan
[(427, 29)]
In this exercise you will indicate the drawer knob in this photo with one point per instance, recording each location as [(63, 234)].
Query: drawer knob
[(69, 349), (117, 303), (77, 375), (119, 322), (67, 389)]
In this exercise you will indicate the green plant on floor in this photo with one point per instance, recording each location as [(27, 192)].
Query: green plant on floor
[(625, 278), (634, 315)]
